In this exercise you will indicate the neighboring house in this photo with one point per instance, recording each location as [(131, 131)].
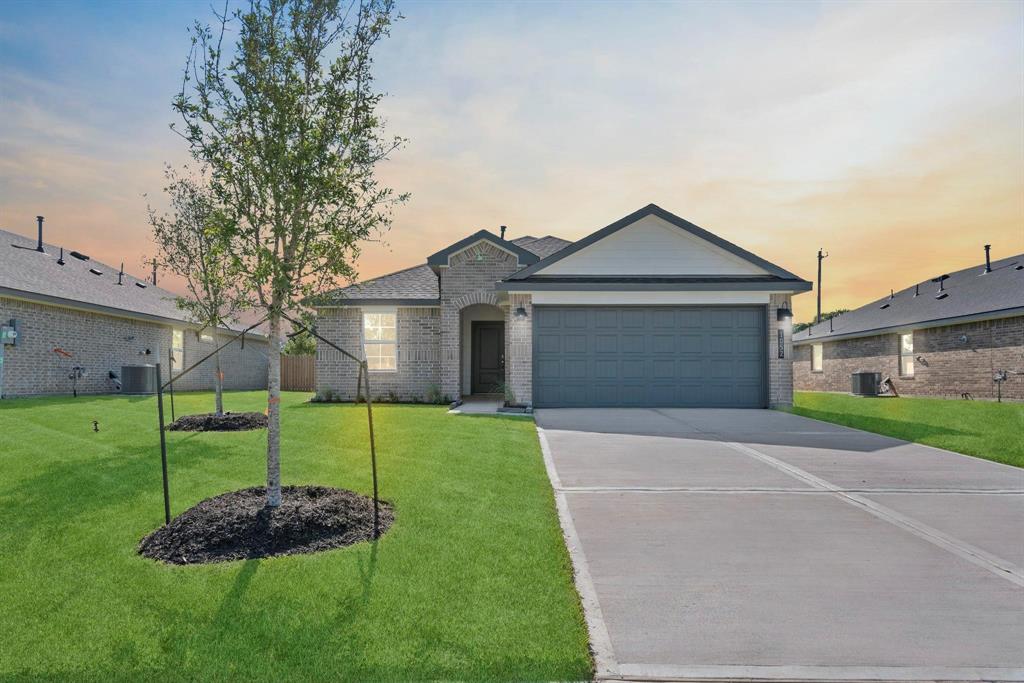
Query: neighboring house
[(649, 311), (942, 337), (70, 312)]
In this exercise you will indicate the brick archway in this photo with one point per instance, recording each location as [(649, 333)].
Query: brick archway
[(481, 296)]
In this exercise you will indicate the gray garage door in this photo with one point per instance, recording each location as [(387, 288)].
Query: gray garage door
[(656, 356)]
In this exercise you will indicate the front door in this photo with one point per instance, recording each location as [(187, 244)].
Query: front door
[(488, 353)]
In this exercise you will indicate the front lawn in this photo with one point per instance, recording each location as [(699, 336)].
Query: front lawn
[(981, 428), (472, 582)]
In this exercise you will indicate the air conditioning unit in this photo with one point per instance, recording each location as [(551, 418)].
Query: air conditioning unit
[(865, 383), (138, 379)]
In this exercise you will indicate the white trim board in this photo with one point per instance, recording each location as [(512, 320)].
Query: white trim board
[(697, 298)]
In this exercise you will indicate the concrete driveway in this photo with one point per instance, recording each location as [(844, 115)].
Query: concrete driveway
[(745, 544)]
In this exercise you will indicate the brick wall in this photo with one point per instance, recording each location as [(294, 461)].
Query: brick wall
[(418, 364), (519, 355), (469, 279), (100, 343), (780, 370), (945, 366)]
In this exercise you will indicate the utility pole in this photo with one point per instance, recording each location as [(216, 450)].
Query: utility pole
[(822, 255)]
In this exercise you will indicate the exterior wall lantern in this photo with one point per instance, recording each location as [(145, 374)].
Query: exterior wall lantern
[(520, 313), (783, 315)]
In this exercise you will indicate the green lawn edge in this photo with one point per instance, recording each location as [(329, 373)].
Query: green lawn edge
[(473, 581), (983, 429)]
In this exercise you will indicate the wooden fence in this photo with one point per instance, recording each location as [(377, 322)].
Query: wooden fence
[(297, 373)]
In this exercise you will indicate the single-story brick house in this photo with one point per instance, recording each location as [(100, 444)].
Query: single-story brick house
[(61, 310), (648, 311), (947, 336)]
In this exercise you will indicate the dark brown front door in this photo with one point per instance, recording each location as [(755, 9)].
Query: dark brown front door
[(488, 353)]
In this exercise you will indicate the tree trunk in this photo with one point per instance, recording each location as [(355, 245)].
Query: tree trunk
[(274, 413), (218, 380)]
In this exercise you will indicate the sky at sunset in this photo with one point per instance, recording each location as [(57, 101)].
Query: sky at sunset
[(891, 134)]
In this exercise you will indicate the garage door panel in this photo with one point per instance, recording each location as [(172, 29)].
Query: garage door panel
[(606, 318), (634, 369), (663, 318), (691, 343), (722, 344), (573, 368), (633, 343), (574, 319), (649, 356), (749, 370), (575, 343), (723, 318), (606, 368), (633, 319), (749, 344), (664, 368), (663, 343), (548, 343)]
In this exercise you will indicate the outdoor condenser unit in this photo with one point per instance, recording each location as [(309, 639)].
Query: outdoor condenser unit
[(865, 383), (138, 379)]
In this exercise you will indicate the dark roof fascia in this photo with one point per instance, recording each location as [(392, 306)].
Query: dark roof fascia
[(613, 286), (654, 209), (440, 258), (107, 310), (921, 325), (341, 303)]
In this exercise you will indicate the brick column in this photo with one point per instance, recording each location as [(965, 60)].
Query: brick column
[(519, 363), (780, 370)]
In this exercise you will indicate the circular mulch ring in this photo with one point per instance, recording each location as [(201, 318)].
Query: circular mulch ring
[(238, 525), (212, 422)]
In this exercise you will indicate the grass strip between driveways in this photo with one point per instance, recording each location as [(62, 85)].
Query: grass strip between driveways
[(984, 429), (472, 582)]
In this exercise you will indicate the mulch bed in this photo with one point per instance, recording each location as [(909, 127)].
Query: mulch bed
[(211, 422), (238, 525)]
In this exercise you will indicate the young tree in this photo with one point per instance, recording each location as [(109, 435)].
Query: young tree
[(191, 244), (287, 125)]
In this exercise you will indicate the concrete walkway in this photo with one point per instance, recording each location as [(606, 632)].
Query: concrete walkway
[(757, 545)]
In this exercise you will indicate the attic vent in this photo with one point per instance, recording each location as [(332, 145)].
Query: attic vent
[(140, 285), (1019, 267), (885, 305), (95, 272), (942, 295), (80, 256)]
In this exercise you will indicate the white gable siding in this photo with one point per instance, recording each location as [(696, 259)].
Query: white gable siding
[(651, 246)]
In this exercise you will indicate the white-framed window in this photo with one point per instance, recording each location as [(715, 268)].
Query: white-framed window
[(380, 334), (177, 350), (907, 354), (206, 338), (817, 355)]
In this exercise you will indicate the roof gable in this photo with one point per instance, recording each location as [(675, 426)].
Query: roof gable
[(657, 243), (441, 258)]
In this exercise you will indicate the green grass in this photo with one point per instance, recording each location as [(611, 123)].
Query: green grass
[(980, 428), (472, 582)]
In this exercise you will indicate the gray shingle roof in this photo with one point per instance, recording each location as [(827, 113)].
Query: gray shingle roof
[(542, 246), (418, 283), (27, 273), (968, 294)]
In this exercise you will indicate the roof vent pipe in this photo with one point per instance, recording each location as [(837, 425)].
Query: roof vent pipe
[(917, 289), (154, 271), (988, 260), (892, 294), (39, 243), (503, 229), (120, 275), (60, 261)]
